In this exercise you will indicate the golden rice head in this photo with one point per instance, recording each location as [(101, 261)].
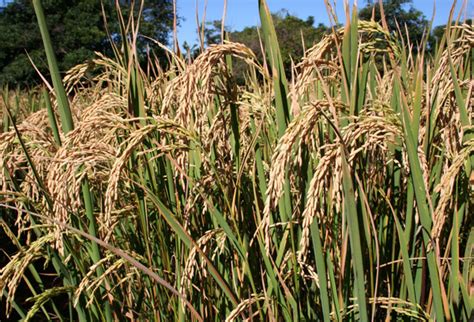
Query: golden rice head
[(323, 56), (96, 75), (315, 57), (36, 134), (200, 99), (116, 270), (245, 306), (327, 171), (442, 95), (446, 187), (118, 178), (300, 130), (190, 94), (369, 135), (12, 273), (372, 133), (402, 307), (87, 152), (192, 266)]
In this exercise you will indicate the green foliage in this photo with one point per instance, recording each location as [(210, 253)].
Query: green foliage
[(399, 12), (437, 34), (343, 195), (294, 35), (77, 30)]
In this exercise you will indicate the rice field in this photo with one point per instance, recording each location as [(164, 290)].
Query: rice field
[(153, 194)]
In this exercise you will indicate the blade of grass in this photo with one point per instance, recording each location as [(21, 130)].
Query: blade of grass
[(63, 103), (67, 126), (52, 118), (321, 269), (422, 206), (120, 253), (351, 214)]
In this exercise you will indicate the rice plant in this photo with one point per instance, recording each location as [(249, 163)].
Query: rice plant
[(345, 193)]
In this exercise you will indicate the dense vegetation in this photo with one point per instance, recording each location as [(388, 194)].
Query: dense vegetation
[(179, 194), (294, 34), (400, 15), (77, 29)]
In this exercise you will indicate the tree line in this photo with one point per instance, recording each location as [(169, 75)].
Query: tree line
[(78, 29)]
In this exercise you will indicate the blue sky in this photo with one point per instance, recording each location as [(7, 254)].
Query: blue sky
[(242, 13)]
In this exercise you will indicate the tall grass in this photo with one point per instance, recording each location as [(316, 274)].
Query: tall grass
[(345, 193)]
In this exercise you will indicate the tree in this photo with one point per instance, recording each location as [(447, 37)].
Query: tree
[(401, 12), (212, 32), (437, 34), (77, 30), (294, 36)]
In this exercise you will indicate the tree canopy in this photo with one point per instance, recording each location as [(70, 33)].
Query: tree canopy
[(294, 36), (437, 34), (399, 12), (77, 30)]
